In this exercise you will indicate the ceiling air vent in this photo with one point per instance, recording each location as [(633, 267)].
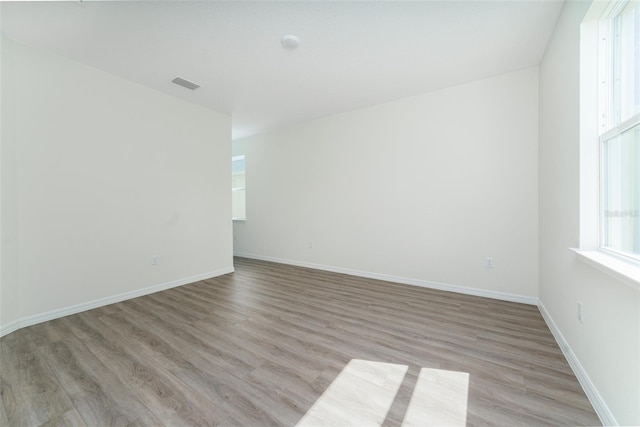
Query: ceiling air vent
[(185, 83)]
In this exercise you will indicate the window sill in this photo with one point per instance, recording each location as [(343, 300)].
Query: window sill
[(239, 219), (625, 272)]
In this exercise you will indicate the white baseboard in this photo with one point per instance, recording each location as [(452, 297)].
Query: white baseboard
[(56, 314), (601, 408), (10, 327), (398, 279)]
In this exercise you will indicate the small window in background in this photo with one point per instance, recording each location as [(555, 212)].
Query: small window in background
[(238, 201), (619, 104)]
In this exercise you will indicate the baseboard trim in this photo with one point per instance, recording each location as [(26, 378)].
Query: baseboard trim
[(398, 279), (56, 314), (10, 327), (599, 405)]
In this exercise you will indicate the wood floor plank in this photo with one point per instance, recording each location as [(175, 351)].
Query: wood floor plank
[(70, 418), (191, 370), (98, 396), (260, 346), (31, 394), (159, 391), (8, 407), (211, 372)]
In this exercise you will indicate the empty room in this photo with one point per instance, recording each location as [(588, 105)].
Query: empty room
[(320, 213)]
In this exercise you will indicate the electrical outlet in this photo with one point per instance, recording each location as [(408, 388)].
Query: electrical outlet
[(488, 262), (310, 245), (580, 311), (155, 260)]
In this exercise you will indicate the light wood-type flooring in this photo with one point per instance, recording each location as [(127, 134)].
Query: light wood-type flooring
[(260, 346)]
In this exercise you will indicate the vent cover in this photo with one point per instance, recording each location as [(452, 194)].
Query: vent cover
[(185, 83)]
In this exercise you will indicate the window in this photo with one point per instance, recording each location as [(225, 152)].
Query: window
[(619, 128), (238, 202)]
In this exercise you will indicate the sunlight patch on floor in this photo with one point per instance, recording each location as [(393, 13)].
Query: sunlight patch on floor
[(362, 394), (439, 399)]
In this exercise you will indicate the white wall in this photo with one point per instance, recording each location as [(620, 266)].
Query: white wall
[(606, 345), (424, 189), (98, 175)]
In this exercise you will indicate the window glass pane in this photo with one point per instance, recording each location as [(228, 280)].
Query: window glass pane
[(238, 202), (237, 164), (626, 63), (621, 192), (237, 181)]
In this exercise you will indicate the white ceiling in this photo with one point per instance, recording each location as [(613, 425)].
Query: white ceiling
[(351, 54)]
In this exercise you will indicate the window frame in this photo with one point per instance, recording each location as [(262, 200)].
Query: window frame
[(610, 123), (615, 131), (624, 269)]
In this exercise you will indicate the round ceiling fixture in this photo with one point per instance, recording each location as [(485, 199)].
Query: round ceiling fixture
[(289, 42)]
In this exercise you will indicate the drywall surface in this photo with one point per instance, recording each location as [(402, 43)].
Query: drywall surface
[(607, 342), (9, 289), (98, 176), (424, 188)]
